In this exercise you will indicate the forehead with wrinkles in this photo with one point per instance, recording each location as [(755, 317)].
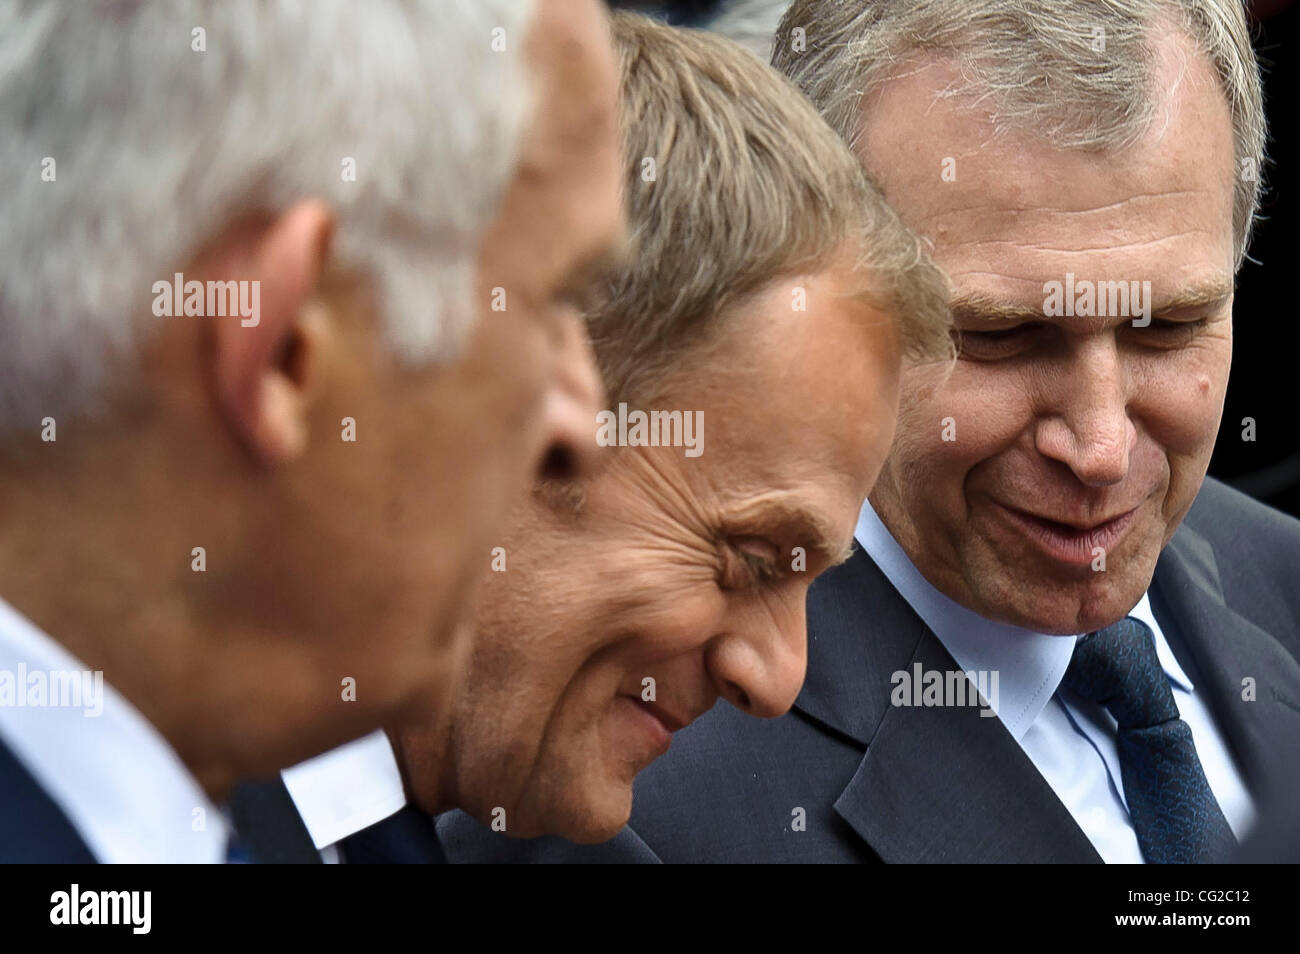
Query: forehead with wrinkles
[(1021, 209)]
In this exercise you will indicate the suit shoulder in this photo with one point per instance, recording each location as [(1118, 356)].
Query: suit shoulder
[(1240, 525), (1256, 552)]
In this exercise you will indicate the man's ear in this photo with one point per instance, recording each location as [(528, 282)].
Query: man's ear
[(264, 364)]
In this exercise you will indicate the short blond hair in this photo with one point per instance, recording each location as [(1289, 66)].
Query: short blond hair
[(750, 185)]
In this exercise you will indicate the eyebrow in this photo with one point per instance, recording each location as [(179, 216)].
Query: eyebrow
[(797, 522), (984, 308)]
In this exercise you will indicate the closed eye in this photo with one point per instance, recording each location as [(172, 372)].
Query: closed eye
[(1166, 335), (997, 342), (747, 562)]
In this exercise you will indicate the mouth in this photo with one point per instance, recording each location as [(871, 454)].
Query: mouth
[(1073, 542), (655, 724), (670, 722)]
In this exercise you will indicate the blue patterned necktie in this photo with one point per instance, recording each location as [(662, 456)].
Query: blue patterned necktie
[(1174, 812)]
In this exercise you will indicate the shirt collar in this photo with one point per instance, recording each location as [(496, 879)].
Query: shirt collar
[(346, 789), (123, 788), (1030, 665)]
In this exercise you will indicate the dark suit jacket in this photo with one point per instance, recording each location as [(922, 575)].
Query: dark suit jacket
[(879, 782), (33, 829), (1276, 839)]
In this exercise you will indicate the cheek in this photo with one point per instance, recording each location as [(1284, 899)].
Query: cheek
[(946, 430), (650, 631), (647, 601), (575, 617), (531, 630), (1181, 401), (679, 619)]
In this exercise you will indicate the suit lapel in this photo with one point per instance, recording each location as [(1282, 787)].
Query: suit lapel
[(937, 784), (972, 795), (860, 630), (1225, 649)]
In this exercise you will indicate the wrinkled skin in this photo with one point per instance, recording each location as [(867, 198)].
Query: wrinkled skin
[(672, 569)]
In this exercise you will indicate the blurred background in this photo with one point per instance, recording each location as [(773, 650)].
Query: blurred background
[(1265, 380)]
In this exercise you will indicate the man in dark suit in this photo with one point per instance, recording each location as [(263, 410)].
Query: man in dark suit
[(1058, 641)]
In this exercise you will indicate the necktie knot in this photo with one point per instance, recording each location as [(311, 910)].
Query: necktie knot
[(1118, 668)]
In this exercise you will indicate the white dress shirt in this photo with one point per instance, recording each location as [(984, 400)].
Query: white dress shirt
[(1071, 741), (123, 788), (345, 790)]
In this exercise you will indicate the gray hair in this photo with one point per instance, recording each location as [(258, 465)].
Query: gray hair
[(158, 144), (1038, 64)]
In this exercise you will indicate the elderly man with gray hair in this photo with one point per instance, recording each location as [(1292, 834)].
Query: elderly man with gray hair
[(1059, 640), (286, 325)]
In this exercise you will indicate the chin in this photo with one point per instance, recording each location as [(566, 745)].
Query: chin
[(592, 819), (1067, 612), (597, 832)]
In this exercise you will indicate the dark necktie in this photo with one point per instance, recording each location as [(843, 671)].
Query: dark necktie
[(1174, 812), (270, 829), (236, 853)]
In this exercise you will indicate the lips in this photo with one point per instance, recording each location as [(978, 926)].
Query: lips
[(1073, 541), (643, 731), (639, 735), (1072, 525), (670, 722)]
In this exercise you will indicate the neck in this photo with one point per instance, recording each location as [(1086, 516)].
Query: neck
[(425, 761), (143, 648), (115, 588)]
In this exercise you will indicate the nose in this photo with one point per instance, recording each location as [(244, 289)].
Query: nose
[(572, 400), (759, 667), (1087, 426)]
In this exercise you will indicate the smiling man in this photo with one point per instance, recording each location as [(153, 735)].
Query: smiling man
[(1044, 513), (1077, 435), (769, 294)]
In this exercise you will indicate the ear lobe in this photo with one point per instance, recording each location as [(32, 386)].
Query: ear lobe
[(264, 367)]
